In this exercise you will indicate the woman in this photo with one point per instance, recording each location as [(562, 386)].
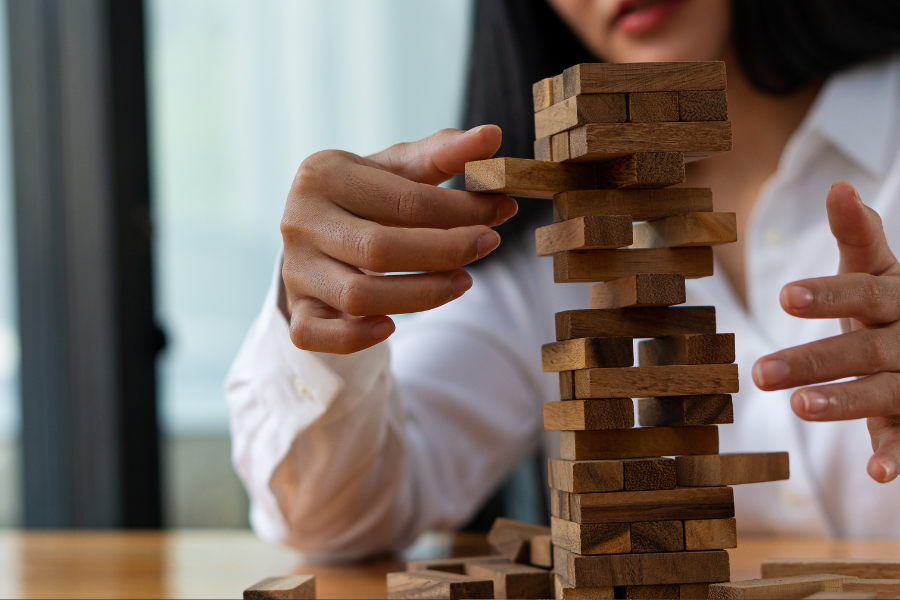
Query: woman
[(349, 446)]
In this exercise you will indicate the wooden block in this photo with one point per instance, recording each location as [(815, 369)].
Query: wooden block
[(283, 588), (559, 505), (679, 380), (641, 569), (648, 474), (613, 78), (642, 205), (586, 475), (591, 538), (565, 591), (710, 534), (678, 411), (599, 142), (843, 595), (693, 591), (579, 110), (653, 505), (652, 107), (732, 469), (610, 231), (663, 592), (437, 584), (682, 231), (456, 564), (688, 349), (583, 353), (541, 554), (601, 413), (780, 588), (638, 443), (543, 150), (527, 178), (558, 87), (634, 322), (576, 266), (559, 147), (643, 290), (657, 536), (641, 170), (566, 385), (512, 538), (512, 580), (863, 568), (542, 92), (883, 588), (702, 105)]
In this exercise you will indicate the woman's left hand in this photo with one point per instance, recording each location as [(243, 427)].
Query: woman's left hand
[(865, 296)]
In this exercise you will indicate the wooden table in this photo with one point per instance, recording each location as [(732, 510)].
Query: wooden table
[(220, 564)]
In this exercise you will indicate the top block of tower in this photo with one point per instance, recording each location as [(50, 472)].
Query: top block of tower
[(618, 78)]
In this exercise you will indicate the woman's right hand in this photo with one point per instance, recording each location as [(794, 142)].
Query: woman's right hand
[(350, 218)]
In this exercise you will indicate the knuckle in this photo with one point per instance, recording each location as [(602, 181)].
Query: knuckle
[(301, 333), (352, 297), (892, 390), (369, 250), (408, 206), (878, 350), (874, 294)]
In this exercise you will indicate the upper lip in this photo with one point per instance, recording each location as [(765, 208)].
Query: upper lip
[(627, 6)]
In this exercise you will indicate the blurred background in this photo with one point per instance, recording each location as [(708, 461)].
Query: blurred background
[(166, 241)]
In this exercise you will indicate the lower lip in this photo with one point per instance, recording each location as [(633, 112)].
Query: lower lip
[(648, 19)]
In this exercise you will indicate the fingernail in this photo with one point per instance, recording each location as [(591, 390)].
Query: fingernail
[(382, 329), (476, 129), (767, 373), (890, 468), (506, 209), (461, 284), (813, 402), (487, 243), (796, 296)]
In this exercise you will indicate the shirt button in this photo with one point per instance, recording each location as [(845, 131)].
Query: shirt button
[(791, 497), (302, 390), (773, 237)]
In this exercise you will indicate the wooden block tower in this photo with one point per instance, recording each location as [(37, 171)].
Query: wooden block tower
[(636, 512)]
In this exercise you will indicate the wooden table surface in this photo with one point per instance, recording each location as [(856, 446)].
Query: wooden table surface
[(220, 564)]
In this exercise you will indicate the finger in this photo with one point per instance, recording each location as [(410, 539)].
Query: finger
[(867, 298), (859, 233), (874, 396), (884, 465), (439, 157), (319, 328)]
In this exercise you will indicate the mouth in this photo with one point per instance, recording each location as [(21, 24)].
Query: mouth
[(637, 17)]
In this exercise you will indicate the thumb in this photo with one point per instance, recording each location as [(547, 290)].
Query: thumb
[(859, 233), (439, 157)]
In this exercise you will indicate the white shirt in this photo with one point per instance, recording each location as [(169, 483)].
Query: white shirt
[(345, 456)]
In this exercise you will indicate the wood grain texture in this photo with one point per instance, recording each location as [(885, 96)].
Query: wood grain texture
[(297, 587), (710, 534), (702, 105), (586, 475), (642, 205), (692, 229), (577, 266), (777, 588), (591, 538), (565, 591), (642, 290), (542, 149), (608, 231), (883, 588), (512, 580), (541, 551), (448, 565), (542, 94), (638, 443), (657, 536), (597, 414), (558, 87), (654, 505), (567, 385), (652, 107), (527, 178), (641, 569), (599, 142), (732, 469), (612, 78), (863, 568), (560, 506), (678, 411), (693, 591), (648, 474), (559, 147), (688, 349), (646, 592), (579, 110), (639, 322), (679, 380), (512, 538), (437, 584), (843, 596), (641, 170), (584, 353)]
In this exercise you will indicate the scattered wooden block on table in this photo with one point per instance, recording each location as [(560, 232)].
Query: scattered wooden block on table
[(614, 78), (586, 475), (643, 170), (641, 204), (578, 110), (542, 93), (601, 413), (693, 591), (298, 587), (512, 580), (657, 536), (642, 290), (512, 538), (456, 564), (679, 504), (688, 349), (637, 322), (559, 147), (598, 142), (702, 105), (862, 568), (843, 595), (566, 385), (710, 534), (732, 469), (558, 87), (543, 149), (591, 538), (684, 231), (882, 588), (587, 352), (778, 588), (437, 584), (527, 178), (652, 107), (679, 380), (579, 266), (678, 411), (638, 443), (641, 474), (565, 591), (645, 592), (612, 231), (641, 569), (541, 554)]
